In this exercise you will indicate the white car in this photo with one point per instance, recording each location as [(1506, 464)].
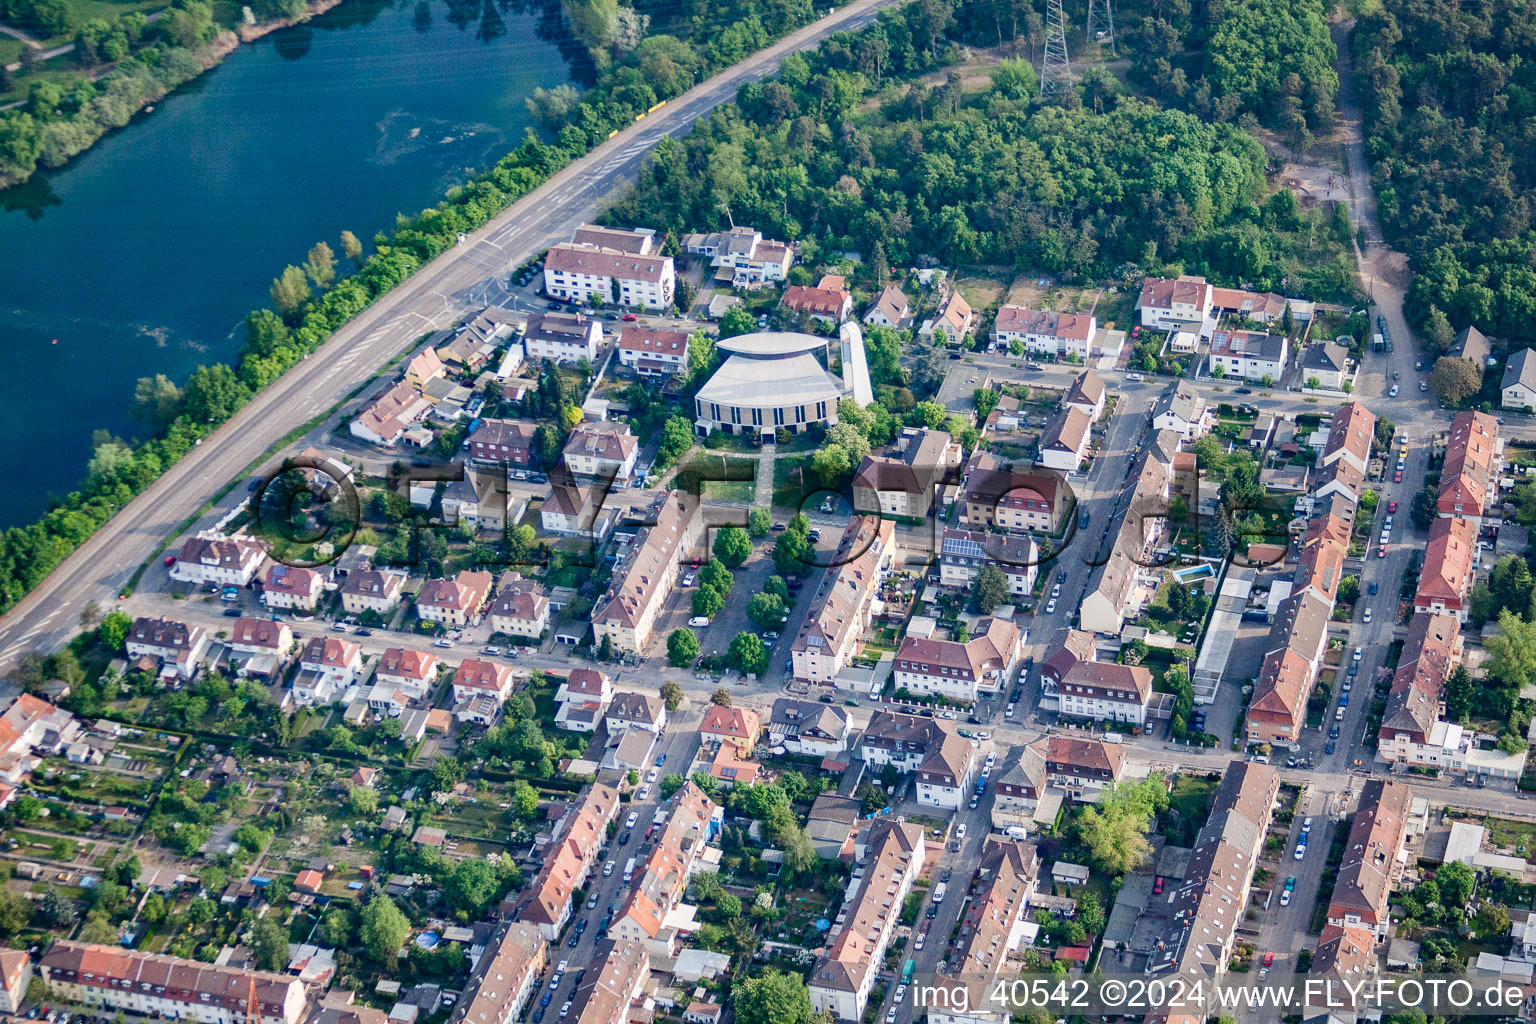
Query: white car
[(650, 776), (1134, 376), (444, 642), (563, 965), (919, 944), (1009, 712), (689, 578), (629, 822), (699, 620), (874, 693), (1285, 898), (890, 1018), (960, 831), (1050, 607), (991, 760), (645, 792), (1056, 590), (566, 1009), (608, 869), (1306, 825), (1367, 615), (901, 993), (1359, 653), (1301, 851)]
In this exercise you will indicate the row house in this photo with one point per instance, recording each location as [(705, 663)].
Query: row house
[(372, 590), (563, 337), (262, 645), (1445, 579), (1374, 855), (569, 861), (520, 609), (808, 728), (504, 441), (178, 647), (1064, 444), (653, 914), (653, 351), (1045, 333), (829, 301), (646, 574), (606, 450), (1324, 548), (1017, 792), (1114, 592), (843, 977), (580, 273), (963, 553), (506, 977), (1177, 304), (1340, 480), (1297, 642), (614, 986), (1104, 691), (976, 668), (291, 588), (1469, 480), (993, 928), (1207, 907), (839, 614), (1350, 436), (454, 603), (904, 485), (131, 981), (1413, 726), (385, 422), (1006, 499), (209, 559), (327, 666)]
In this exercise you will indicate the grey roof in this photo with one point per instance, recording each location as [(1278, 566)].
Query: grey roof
[(1521, 369), (785, 380), (771, 343), (1471, 344), (1185, 403), (1326, 355)]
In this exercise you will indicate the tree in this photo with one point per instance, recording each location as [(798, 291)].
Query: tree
[(728, 905), (732, 546), (269, 941), (989, 590), (472, 885), (1114, 831), (748, 655), (776, 586), (713, 573), (351, 248), (1456, 883), (289, 291), (336, 927), (707, 601), (1437, 329), (525, 800), (1455, 380), (383, 929), (155, 401), (985, 400), (321, 265), (364, 800), (682, 648), (113, 631), (772, 997), (721, 698), (671, 692), (766, 611), (1512, 652), (759, 522), (1458, 694), (99, 928)]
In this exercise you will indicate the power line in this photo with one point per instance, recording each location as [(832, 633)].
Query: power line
[(1055, 67)]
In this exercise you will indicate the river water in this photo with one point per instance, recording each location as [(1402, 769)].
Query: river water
[(144, 255)]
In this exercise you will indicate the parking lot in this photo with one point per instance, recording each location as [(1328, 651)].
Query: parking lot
[(732, 619)]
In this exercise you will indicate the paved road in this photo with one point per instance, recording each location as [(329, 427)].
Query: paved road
[(436, 296)]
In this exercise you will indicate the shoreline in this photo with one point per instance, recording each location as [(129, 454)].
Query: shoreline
[(206, 58)]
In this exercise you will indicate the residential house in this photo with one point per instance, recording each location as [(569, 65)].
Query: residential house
[(583, 700), (177, 646), (905, 483), (225, 561), (30, 729), (1298, 639), (1207, 906), (653, 351), (520, 608), (1373, 859), (654, 913), (1340, 479), (455, 602), (736, 727), (1472, 345), (1114, 593), (478, 501), (412, 672), (890, 309), (580, 273), (997, 498), (506, 977), (1326, 362), (1183, 410), (1251, 355), (637, 711), (1350, 435), (606, 450), (1104, 691), (613, 983), (481, 677), (572, 510), (943, 760), (1324, 548), (1469, 479), (1518, 388), (646, 573), (808, 728), (953, 320), (112, 978), (370, 590), (1044, 332), (1179, 304), (1064, 445), (993, 928), (1087, 393), (568, 862), (742, 257), (385, 421), (829, 302), (1413, 726), (423, 367), (1264, 308), (839, 613), (843, 977), (1080, 768), (504, 441), (563, 337), (261, 636), (1445, 580), (327, 666), (979, 667), (15, 976), (291, 588), (962, 553)]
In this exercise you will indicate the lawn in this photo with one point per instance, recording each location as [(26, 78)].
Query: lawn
[(982, 292), (788, 489)]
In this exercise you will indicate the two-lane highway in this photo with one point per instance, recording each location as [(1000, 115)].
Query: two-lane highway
[(436, 296)]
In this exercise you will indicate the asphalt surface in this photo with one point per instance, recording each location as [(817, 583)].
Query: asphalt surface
[(437, 296)]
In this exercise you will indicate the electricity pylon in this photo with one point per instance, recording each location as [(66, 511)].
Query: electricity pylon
[(1055, 68), (1101, 23)]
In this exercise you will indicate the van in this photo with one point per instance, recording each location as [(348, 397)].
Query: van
[(1260, 759), (629, 869), (939, 891), (1016, 832)]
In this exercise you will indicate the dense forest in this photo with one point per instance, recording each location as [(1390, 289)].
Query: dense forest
[(850, 149), (1450, 91)]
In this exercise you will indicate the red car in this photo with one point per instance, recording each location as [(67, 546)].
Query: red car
[(1397, 477), (630, 317), (170, 560), (1157, 886), (1381, 552), (1391, 506), (1269, 959)]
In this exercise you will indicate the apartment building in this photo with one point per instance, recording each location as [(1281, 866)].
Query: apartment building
[(654, 914), (1413, 727), (841, 981), (212, 559), (962, 553), (808, 728), (506, 978), (1007, 499), (839, 613), (742, 257), (1445, 579), (1114, 593), (520, 608), (1469, 479), (456, 602), (568, 861), (1250, 355), (1104, 691), (1297, 641), (1080, 768), (1088, 392), (730, 726), (969, 670), (613, 984), (15, 976), (1045, 333), (369, 590), (177, 646), (402, 678), (829, 301), (646, 573), (1373, 859), (953, 321), (508, 441), (111, 978), (1350, 436), (607, 450), (563, 337), (653, 351), (905, 483), (992, 929), (1178, 304), (580, 273), (638, 241), (943, 760), (1064, 444)]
